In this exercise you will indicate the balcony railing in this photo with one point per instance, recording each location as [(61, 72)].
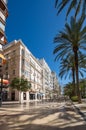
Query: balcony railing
[(2, 16), (3, 6), (5, 1), (2, 26)]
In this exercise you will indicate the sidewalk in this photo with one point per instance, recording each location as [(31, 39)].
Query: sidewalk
[(10, 102), (52, 116), (17, 102), (81, 109)]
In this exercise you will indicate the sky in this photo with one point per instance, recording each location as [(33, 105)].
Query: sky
[(35, 22)]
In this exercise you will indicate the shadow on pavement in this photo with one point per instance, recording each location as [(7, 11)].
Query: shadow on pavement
[(40, 127), (58, 118)]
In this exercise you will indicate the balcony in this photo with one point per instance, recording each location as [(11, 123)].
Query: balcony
[(3, 6), (2, 26), (1, 33), (4, 12), (3, 39), (1, 42), (4, 1), (2, 16)]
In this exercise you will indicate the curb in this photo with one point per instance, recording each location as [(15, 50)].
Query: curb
[(80, 112)]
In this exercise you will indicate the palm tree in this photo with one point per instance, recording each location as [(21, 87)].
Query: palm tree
[(67, 68), (68, 90), (78, 5), (83, 88), (71, 40)]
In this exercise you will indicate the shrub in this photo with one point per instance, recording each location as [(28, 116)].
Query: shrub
[(74, 98)]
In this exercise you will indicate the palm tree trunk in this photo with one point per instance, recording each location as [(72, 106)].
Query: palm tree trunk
[(77, 77), (73, 76)]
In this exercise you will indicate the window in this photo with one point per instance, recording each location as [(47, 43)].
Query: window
[(0, 60), (13, 72), (14, 52), (24, 96), (23, 52), (23, 61), (6, 75), (6, 66)]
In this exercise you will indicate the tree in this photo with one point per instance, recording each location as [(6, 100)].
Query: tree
[(67, 68), (20, 84), (71, 40), (79, 6), (83, 87), (68, 90)]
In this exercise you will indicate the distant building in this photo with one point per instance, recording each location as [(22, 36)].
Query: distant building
[(56, 86), (50, 81), (46, 77)]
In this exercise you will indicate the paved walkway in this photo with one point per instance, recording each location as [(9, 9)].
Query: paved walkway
[(52, 116), (81, 109)]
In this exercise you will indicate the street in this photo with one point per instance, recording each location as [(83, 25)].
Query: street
[(41, 116)]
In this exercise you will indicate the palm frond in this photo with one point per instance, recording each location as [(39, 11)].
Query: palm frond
[(78, 7), (71, 6), (56, 3), (61, 5)]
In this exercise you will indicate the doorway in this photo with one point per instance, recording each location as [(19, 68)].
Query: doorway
[(13, 96)]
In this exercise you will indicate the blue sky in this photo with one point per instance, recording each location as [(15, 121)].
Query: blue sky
[(36, 23)]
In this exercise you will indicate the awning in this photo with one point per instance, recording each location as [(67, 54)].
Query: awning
[(41, 94), (4, 40), (5, 81), (3, 58)]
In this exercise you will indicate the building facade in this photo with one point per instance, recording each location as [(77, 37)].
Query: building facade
[(55, 84), (3, 41), (3, 16), (22, 63), (47, 82)]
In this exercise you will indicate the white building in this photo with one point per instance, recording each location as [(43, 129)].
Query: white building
[(22, 63), (46, 77)]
